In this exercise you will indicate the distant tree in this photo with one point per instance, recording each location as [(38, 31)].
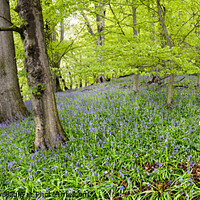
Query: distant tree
[(136, 75), (100, 40), (11, 103), (54, 54), (169, 42)]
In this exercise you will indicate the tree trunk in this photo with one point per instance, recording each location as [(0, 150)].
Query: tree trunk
[(198, 80), (81, 82), (50, 35), (136, 83), (56, 63), (136, 75), (71, 80), (11, 104), (100, 23), (86, 80), (100, 28), (49, 131), (169, 42), (170, 91)]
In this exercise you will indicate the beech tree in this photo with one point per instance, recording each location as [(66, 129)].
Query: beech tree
[(136, 75), (11, 104), (169, 42), (56, 58), (48, 127), (100, 12), (49, 131)]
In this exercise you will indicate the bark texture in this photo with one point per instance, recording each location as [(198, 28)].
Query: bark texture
[(49, 131), (11, 104)]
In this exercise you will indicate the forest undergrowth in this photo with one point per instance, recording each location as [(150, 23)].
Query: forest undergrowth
[(121, 146)]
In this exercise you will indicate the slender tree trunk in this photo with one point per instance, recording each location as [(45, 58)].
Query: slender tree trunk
[(136, 75), (11, 104), (86, 80), (81, 82), (71, 80), (94, 77), (62, 35), (170, 90), (136, 83), (77, 85), (100, 28), (100, 23), (50, 36), (49, 131), (56, 62), (198, 80), (169, 42)]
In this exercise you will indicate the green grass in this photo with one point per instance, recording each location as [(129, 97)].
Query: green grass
[(121, 146)]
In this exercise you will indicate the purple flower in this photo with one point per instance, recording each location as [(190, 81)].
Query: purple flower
[(188, 158), (70, 190), (121, 187), (80, 174), (190, 179)]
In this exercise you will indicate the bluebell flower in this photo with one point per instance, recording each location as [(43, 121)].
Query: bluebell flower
[(121, 187)]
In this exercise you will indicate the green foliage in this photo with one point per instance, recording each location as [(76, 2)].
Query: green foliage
[(38, 90), (122, 52)]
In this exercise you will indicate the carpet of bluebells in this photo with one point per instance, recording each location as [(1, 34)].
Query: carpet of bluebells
[(121, 146)]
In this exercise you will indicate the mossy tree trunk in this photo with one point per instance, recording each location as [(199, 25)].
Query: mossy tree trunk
[(49, 131), (11, 104)]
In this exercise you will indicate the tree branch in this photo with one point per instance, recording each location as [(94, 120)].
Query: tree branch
[(116, 19), (6, 19), (87, 23), (11, 28)]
